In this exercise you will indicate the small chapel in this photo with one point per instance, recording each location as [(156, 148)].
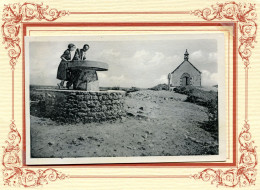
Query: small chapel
[(186, 74)]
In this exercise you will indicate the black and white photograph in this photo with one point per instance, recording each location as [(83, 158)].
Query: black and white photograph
[(125, 99)]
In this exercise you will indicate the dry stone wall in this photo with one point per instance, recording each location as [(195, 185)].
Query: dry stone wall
[(82, 106)]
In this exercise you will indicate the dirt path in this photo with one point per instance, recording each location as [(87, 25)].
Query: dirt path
[(158, 123)]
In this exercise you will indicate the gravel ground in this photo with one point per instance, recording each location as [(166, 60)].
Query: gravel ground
[(158, 123)]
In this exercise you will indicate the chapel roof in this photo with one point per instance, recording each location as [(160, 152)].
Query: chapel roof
[(186, 59)]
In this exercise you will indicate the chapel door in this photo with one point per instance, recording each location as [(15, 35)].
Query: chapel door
[(185, 79)]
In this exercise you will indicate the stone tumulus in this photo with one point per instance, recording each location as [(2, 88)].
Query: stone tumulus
[(83, 106)]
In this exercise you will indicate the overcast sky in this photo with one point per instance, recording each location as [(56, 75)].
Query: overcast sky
[(143, 63)]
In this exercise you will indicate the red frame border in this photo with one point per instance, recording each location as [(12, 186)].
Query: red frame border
[(141, 24)]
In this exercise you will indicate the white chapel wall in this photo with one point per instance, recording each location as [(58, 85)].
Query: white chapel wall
[(186, 68)]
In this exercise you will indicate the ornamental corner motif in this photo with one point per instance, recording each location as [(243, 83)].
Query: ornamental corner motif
[(13, 16), (245, 15)]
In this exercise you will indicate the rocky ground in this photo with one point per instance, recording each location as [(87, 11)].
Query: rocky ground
[(158, 123)]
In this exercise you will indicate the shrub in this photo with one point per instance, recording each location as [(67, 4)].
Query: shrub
[(208, 99), (184, 90), (160, 87), (115, 88), (212, 106)]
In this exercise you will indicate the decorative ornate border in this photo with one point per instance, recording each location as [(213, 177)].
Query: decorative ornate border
[(13, 16), (245, 14)]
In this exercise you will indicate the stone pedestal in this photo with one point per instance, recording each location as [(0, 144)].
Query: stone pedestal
[(83, 79)]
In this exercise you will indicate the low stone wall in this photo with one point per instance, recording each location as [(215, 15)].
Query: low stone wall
[(82, 106)]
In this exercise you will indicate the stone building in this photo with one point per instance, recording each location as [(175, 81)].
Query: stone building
[(186, 74)]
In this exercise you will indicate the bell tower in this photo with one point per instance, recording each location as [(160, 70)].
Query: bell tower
[(186, 56)]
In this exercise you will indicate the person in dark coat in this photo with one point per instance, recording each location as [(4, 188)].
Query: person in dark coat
[(81, 53), (68, 55)]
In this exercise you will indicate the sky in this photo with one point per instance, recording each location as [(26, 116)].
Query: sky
[(139, 63)]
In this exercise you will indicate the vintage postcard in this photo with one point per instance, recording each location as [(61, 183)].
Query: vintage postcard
[(125, 99), (129, 94)]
